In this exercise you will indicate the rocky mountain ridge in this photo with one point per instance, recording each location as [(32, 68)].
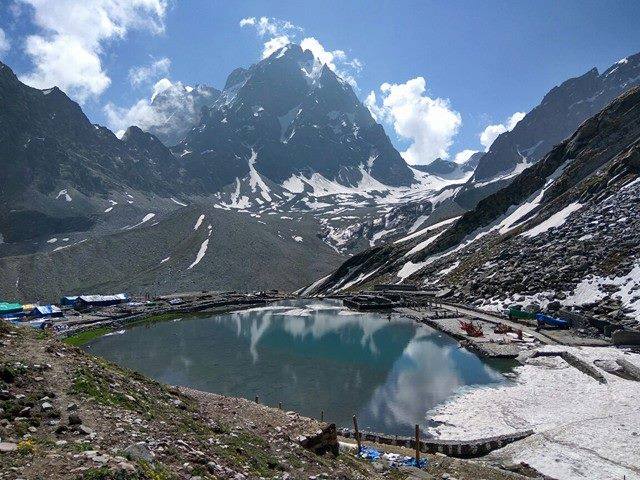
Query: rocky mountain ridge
[(564, 229)]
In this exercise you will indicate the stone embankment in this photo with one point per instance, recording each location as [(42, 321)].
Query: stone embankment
[(451, 448)]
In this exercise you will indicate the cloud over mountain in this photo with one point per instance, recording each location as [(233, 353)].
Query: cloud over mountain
[(429, 124), (67, 49)]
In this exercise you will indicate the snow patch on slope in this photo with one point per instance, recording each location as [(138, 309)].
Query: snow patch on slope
[(553, 221)]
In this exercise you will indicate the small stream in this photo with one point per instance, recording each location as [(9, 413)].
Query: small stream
[(311, 356)]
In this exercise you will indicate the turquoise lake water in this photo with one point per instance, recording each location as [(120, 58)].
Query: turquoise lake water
[(311, 356)]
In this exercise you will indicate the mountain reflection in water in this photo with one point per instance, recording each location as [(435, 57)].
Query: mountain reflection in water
[(311, 356)]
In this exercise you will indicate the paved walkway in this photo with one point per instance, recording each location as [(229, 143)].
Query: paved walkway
[(496, 319)]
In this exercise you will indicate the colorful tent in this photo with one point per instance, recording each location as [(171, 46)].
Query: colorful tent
[(10, 308)]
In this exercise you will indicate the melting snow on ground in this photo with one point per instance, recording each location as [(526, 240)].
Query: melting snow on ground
[(198, 222), (582, 429), (424, 244), (64, 194), (553, 221), (178, 202), (255, 180), (62, 247), (435, 226), (145, 219), (591, 289), (202, 251)]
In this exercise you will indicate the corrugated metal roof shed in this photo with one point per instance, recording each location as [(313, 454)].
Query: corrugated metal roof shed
[(45, 311)]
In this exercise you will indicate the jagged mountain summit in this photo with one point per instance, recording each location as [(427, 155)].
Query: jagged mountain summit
[(443, 167), (177, 107), (563, 233), (294, 121), (561, 111)]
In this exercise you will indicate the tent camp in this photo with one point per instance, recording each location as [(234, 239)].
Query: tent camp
[(45, 311), (10, 308), (87, 301)]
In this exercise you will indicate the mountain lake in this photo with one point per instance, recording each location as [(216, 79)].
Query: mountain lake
[(312, 356)]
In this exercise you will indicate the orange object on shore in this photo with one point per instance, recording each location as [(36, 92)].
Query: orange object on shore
[(471, 329)]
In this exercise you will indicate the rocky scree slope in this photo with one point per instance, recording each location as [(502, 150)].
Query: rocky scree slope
[(560, 231), (193, 248)]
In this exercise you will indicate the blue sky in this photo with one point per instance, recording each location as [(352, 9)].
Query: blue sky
[(480, 62)]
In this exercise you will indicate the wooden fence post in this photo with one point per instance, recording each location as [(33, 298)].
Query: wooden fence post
[(417, 445), (356, 433)]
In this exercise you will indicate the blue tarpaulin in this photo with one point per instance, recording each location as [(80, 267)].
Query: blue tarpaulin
[(394, 459), (556, 322)]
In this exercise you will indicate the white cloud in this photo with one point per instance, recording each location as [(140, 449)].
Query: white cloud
[(489, 134), (160, 86), (4, 42), (464, 155), (278, 33), (142, 113), (247, 21), (146, 73), (336, 60), (67, 52), (178, 108), (430, 124), (274, 44), (325, 56)]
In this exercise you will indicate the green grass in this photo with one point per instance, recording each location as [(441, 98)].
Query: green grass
[(82, 338), (92, 385)]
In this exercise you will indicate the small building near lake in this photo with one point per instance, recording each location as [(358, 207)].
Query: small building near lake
[(44, 311), (87, 301), (68, 301)]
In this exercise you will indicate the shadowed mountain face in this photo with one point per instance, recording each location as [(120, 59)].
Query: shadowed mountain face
[(289, 115), (50, 151), (561, 111)]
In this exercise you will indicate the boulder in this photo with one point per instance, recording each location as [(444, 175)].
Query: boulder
[(626, 337), (139, 451), (7, 447), (323, 441)]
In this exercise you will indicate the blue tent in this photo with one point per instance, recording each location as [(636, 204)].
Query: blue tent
[(555, 322)]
